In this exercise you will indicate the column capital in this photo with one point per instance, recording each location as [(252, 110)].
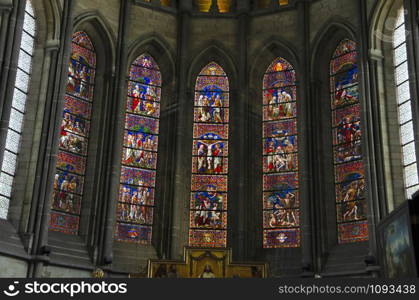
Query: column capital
[(52, 45), (376, 54)]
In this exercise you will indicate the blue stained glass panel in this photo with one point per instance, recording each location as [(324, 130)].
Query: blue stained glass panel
[(280, 162), (135, 212)]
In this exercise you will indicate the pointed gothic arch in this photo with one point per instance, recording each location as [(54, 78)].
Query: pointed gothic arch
[(281, 196), (210, 154), (139, 163), (350, 178), (69, 181)]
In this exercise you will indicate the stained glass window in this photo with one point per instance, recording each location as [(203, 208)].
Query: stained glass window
[(208, 204), (224, 6), (404, 103), (351, 205), (20, 94), (281, 201), (74, 137), (203, 5), (139, 158)]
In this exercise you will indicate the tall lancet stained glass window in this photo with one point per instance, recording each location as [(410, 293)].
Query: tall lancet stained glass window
[(74, 137), (350, 188), (281, 202), (139, 157), (20, 94), (208, 204), (404, 104)]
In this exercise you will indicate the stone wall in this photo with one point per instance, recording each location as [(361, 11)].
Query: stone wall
[(107, 9), (12, 268), (185, 49), (59, 272)]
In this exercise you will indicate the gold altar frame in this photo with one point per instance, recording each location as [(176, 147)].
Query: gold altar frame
[(217, 261)]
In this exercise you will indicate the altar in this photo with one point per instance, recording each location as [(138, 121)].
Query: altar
[(206, 263)]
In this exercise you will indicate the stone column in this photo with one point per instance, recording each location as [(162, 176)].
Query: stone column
[(46, 167), (381, 203), (241, 205), (307, 136), (370, 138), (51, 52), (183, 146), (316, 187), (118, 123)]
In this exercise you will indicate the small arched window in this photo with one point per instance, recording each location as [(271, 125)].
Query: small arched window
[(208, 208), (224, 6), (350, 188), (14, 134), (281, 201), (74, 137), (404, 104), (139, 160)]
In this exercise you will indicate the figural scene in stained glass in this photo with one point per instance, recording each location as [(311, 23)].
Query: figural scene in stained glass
[(401, 71), (281, 202), (74, 137), (351, 205), (20, 94), (139, 158), (208, 203)]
